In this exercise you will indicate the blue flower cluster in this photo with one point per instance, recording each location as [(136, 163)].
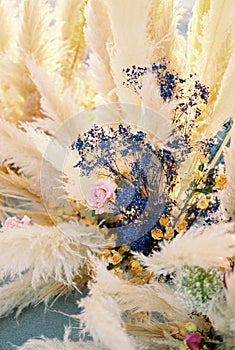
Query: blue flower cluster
[(165, 78), (189, 92), (144, 176)]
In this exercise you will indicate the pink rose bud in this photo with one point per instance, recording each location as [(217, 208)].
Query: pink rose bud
[(102, 192), (13, 222), (194, 341)]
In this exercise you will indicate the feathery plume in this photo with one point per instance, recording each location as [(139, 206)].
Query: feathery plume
[(191, 249), (54, 99), (39, 35), (18, 294), (62, 257), (110, 313), (8, 25), (99, 36), (163, 32), (52, 344), (211, 46), (71, 14), (28, 160)]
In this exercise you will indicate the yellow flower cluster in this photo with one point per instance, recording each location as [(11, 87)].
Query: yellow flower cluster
[(157, 234), (182, 226), (135, 266), (220, 181), (203, 203)]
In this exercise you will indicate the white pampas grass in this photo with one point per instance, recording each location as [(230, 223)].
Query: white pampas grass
[(17, 186), (16, 295), (49, 252), (109, 318), (8, 26), (153, 297), (56, 102), (52, 344), (44, 82), (110, 300), (191, 249), (71, 16), (39, 34), (152, 35), (99, 36), (151, 97), (28, 159), (20, 197), (167, 42), (211, 46), (126, 50)]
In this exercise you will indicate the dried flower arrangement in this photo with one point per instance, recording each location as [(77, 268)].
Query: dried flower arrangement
[(117, 145)]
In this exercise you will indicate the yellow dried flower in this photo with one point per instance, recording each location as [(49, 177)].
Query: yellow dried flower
[(116, 257), (106, 253), (203, 203), (191, 327), (169, 233), (123, 249), (220, 181), (87, 221), (135, 266), (157, 234), (164, 220), (182, 226), (197, 175), (204, 160), (183, 331)]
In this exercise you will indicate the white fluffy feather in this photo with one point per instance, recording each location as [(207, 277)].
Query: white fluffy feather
[(191, 249), (110, 300), (28, 159), (52, 344), (49, 252), (211, 55), (56, 102), (98, 35), (109, 318)]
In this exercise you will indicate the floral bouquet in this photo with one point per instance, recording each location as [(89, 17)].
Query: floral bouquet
[(117, 141)]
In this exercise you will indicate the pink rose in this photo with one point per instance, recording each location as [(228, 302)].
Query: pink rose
[(102, 192), (194, 341), (13, 222)]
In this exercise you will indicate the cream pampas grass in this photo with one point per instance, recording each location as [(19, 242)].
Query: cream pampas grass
[(57, 103), (210, 55), (117, 297), (183, 250), (29, 159), (8, 26), (99, 36), (52, 344), (62, 252), (71, 15), (18, 293), (54, 262)]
